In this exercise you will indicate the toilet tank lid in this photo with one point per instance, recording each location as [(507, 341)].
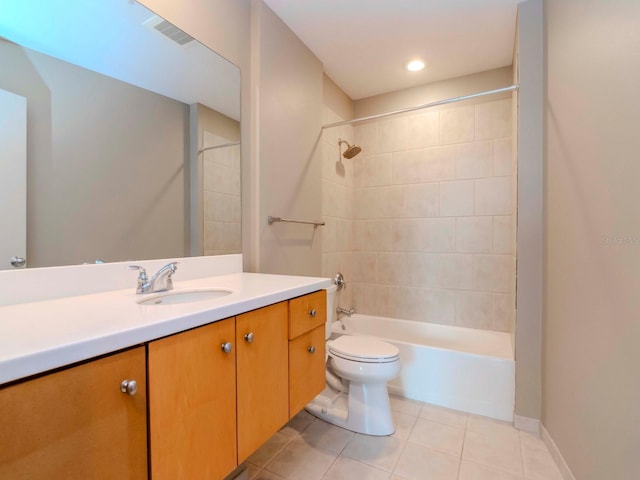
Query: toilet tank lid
[(363, 347)]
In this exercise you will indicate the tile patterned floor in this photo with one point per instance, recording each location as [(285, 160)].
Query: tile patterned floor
[(430, 443)]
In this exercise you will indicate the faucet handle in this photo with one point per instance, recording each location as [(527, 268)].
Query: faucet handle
[(143, 272), (339, 281)]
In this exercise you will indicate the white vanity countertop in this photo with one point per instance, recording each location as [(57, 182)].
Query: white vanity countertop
[(40, 336)]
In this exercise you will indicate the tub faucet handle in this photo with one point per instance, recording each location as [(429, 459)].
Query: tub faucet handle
[(339, 281)]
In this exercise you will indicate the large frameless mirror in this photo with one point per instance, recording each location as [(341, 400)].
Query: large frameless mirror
[(124, 133)]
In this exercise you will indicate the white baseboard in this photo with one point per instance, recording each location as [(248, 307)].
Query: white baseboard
[(527, 424), (555, 453)]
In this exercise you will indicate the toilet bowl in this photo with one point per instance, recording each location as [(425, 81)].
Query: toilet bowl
[(357, 371)]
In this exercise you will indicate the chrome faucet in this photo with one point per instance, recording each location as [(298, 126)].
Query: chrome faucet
[(160, 282), (348, 312)]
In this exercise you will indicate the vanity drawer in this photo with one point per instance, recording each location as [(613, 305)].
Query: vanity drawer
[(307, 312), (306, 368)]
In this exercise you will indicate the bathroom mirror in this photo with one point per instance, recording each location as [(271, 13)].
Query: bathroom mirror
[(132, 134)]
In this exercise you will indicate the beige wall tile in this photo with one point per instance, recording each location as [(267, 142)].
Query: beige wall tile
[(364, 266), (393, 135), (455, 271), (503, 163), (474, 310), (503, 234), (376, 170), (493, 273), (503, 312), (422, 269), (422, 200), (474, 159), (473, 234), (494, 196), (424, 235), (423, 130), (366, 136), (377, 236), (493, 119), (456, 198), (391, 269), (457, 125)]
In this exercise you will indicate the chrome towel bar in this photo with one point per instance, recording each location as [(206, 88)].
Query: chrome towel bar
[(271, 220)]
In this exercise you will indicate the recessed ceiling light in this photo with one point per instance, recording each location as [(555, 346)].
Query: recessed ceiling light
[(415, 65)]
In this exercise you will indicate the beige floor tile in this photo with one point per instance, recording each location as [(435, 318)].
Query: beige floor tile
[(381, 452), (531, 441), (252, 470), (345, 469), (326, 436), (270, 448), (265, 475), (299, 461), (405, 405), (499, 452), (537, 461), (404, 424), (475, 471), (493, 428), (421, 463), (438, 436), (300, 422), (439, 414)]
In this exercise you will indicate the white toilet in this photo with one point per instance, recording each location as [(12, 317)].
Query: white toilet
[(358, 369)]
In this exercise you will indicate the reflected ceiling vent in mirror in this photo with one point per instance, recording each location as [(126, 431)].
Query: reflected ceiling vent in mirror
[(169, 30)]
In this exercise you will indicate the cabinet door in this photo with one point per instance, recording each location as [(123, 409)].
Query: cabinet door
[(192, 404), (263, 378), (306, 368), (76, 423)]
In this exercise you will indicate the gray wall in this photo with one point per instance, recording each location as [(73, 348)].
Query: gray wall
[(90, 196), (591, 385), (289, 106), (528, 339)]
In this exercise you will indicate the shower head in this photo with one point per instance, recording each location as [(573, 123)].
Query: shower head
[(351, 151)]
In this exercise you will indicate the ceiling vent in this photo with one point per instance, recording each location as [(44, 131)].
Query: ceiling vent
[(169, 30)]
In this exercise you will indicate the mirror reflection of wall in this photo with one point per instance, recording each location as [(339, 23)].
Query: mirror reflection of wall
[(221, 208), (108, 163)]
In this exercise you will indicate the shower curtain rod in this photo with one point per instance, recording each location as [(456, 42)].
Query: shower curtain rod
[(232, 144), (510, 88)]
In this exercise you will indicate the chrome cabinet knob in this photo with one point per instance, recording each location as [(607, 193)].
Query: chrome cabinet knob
[(311, 349), (313, 312), (129, 387), (249, 337), (226, 347)]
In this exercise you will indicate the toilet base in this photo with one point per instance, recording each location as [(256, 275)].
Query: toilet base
[(365, 409)]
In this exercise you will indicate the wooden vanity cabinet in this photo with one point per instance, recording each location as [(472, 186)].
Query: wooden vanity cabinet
[(307, 318), (76, 423), (192, 403), (263, 399)]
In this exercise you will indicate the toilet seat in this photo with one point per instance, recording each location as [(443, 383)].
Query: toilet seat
[(363, 349)]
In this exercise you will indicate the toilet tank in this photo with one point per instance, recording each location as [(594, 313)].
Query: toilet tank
[(332, 304)]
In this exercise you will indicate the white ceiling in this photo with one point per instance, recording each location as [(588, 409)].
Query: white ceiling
[(365, 44)]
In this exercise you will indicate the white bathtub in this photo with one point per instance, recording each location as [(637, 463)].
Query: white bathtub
[(461, 368)]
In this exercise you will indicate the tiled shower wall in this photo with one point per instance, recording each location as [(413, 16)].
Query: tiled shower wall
[(422, 222), (337, 204), (221, 197)]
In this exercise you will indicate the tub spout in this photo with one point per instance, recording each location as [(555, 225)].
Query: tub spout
[(348, 312)]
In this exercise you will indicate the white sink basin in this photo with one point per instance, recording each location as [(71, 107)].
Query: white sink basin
[(173, 297)]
